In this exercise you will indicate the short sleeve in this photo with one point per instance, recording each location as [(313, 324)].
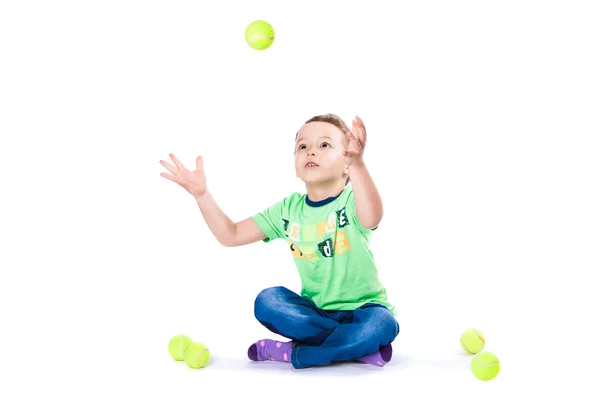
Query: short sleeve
[(351, 209), (271, 221)]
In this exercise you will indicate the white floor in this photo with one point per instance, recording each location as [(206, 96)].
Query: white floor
[(424, 371), (412, 374), (90, 374), (407, 374)]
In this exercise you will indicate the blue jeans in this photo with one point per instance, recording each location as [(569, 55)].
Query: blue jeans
[(321, 337)]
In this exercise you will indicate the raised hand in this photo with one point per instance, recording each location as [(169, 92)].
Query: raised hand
[(192, 181), (358, 140)]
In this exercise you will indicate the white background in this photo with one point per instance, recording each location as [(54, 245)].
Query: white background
[(482, 122)]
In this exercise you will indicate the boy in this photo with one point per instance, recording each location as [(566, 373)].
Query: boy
[(342, 312)]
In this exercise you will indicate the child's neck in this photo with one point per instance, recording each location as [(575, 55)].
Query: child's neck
[(318, 192)]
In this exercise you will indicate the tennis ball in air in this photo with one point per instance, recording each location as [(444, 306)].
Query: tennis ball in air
[(177, 346), (196, 355), (472, 341), (485, 366), (260, 35)]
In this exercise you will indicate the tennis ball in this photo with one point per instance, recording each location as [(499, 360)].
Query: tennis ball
[(485, 366), (472, 341), (260, 35), (196, 355), (177, 346)]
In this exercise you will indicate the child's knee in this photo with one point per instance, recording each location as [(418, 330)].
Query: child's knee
[(391, 324), (386, 322), (267, 300)]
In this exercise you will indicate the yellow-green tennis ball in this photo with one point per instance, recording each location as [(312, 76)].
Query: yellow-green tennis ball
[(472, 341), (260, 35), (177, 346), (485, 366), (196, 355)]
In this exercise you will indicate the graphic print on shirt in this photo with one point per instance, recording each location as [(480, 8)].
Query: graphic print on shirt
[(305, 240), (326, 248)]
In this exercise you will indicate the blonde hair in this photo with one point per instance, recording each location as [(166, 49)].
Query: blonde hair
[(334, 120)]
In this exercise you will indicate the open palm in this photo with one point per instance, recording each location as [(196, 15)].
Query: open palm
[(192, 181), (357, 140)]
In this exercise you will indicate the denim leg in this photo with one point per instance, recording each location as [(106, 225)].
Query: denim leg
[(290, 315), (363, 332)]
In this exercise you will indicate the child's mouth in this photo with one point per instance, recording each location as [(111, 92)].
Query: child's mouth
[(311, 165)]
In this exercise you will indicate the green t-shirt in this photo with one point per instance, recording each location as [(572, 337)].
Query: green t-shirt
[(330, 248)]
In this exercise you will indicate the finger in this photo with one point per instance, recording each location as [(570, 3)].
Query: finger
[(171, 168), (350, 136), (199, 163), (360, 124), (360, 131), (362, 136), (169, 177), (363, 132), (360, 121), (354, 142), (178, 163)]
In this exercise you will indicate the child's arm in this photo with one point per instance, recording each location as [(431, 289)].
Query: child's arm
[(369, 207), (226, 232)]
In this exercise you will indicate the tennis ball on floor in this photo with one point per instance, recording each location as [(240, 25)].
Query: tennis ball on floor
[(472, 341), (260, 35), (196, 355), (177, 346), (485, 366)]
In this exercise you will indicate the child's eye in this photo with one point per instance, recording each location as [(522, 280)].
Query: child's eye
[(301, 147), (325, 144)]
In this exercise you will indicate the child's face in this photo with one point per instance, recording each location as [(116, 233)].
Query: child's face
[(321, 143)]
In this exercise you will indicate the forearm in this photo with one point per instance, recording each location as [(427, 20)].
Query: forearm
[(369, 207), (218, 222)]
